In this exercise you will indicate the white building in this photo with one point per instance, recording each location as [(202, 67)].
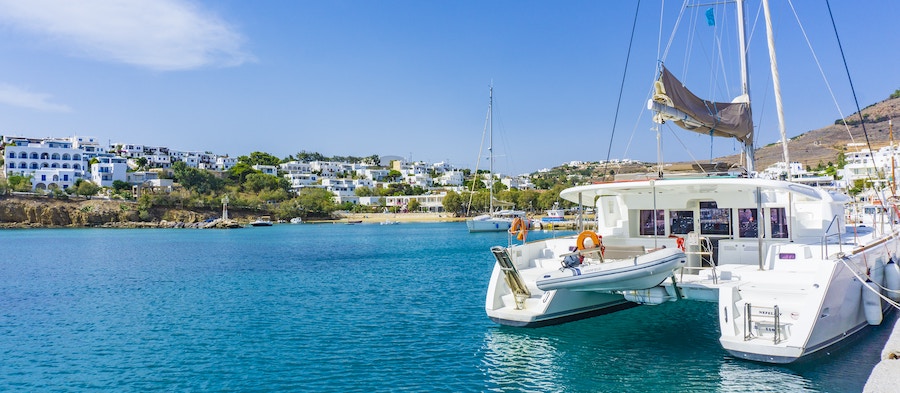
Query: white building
[(53, 162), (267, 169), (432, 203), (452, 178), (107, 169)]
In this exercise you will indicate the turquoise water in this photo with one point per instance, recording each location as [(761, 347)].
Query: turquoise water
[(335, 308)]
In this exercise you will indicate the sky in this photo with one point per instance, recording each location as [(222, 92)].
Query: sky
[(411, 78)]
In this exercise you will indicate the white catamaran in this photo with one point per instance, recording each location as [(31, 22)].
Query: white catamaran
[(788, 274)]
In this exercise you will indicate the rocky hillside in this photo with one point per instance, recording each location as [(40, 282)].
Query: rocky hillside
[(824, 144)]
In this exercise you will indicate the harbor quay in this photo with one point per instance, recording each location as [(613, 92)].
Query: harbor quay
[(885, 376)]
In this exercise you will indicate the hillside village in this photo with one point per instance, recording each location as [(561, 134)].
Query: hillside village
[(833, 155), (65, 165)]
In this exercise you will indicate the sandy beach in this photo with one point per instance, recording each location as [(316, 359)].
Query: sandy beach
[(397, 217)]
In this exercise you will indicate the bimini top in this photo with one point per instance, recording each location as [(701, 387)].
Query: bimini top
[(701, 186)]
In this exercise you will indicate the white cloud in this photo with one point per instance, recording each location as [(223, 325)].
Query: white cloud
[(156, 34), (15, 96)]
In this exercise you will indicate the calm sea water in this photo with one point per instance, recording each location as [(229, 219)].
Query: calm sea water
[(337, 308)]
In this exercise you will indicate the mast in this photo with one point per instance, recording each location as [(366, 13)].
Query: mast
[(893, 171), (773, 62), (745, 81), (491, 150)]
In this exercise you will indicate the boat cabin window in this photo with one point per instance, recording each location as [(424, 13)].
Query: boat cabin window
[(714, 221), (748, 223), (653, 224), (682, 222), (779, 222)]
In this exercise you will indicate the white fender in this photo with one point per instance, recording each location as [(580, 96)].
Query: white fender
[(892, 280), (871, 303)]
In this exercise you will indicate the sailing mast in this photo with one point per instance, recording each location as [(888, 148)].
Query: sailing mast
[(745, 84), (776, 81), (491, 150)]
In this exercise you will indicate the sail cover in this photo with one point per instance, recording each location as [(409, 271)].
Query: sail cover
[(719, 118)]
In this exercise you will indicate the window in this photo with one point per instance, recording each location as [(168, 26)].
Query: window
[(714, 221), (653, 224), (12, 155), (682, 222), (779, 223), (748, 223), (43, 177)]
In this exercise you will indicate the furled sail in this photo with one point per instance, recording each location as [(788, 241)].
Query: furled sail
[(672, 101)]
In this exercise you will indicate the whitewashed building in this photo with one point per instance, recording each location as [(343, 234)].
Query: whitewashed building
[(107, 169), (52, 162)]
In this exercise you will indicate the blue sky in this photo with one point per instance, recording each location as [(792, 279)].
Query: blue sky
[(411, 78)]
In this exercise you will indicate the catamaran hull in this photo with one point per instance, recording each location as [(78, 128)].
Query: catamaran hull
[(837, 295), (590, 308)]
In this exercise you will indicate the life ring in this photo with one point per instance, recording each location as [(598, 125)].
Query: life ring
[(518, 225), (597, 240)]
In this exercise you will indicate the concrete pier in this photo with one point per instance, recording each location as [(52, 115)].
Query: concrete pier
[(885, 377)]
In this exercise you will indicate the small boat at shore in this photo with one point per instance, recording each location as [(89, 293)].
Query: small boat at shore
[(263, 221), (296, 220)]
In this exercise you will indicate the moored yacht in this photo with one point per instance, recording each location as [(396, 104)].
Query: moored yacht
[(790, 277)]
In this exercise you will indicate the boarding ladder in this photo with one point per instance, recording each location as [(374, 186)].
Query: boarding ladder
[(511, 275), (764, 319)]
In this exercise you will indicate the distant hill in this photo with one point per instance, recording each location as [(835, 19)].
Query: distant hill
[(824, 144), (810, 148)]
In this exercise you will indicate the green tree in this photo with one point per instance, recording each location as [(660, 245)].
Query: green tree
[(194, 179), (453, 202), (316, 201), (363, 191), (119, 185), (260, 158), (239, 172), (394, 175), (141, 163), (257, 182), (19, 183), (414, 205), (86, 188)]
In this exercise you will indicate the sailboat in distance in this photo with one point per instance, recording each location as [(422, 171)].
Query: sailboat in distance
[(499, 220), (789, 276)]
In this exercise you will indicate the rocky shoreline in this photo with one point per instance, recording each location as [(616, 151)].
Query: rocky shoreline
[(27, 211), (19, 211)]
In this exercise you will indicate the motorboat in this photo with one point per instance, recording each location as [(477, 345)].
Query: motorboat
[(263, 221), (296, 220)]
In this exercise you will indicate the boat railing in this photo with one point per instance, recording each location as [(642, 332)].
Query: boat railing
[(826, 237)]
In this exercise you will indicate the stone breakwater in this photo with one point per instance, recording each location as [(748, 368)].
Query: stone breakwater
[(44, 212)]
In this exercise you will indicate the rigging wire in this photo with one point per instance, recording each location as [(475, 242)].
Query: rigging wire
[(622, 86), (821, 71), (852, 89), (487, 120)]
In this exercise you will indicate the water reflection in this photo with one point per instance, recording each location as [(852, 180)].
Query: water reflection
[(671, 347), (515, 360)]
